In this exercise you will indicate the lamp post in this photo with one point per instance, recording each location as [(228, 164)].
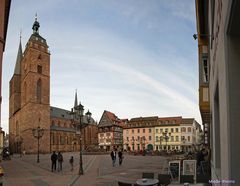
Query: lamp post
[(77, 113), (166, 135), (38, 133)]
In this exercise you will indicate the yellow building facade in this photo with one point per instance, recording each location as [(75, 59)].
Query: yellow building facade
[(168, 134)]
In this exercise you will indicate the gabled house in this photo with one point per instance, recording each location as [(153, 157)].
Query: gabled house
[(110, 131)]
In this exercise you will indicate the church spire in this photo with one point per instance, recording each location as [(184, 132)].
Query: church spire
[(76, 99), (19, 57)]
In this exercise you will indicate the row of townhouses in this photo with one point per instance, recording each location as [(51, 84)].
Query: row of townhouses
[(148, 133)]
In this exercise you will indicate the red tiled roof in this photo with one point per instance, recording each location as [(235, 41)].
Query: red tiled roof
[(144, 118), (176, 120), (187, 120), (111, 116), (115, 119)]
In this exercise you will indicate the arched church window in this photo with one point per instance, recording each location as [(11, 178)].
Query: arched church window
[(17, 128), (39, 90), (25, 92)]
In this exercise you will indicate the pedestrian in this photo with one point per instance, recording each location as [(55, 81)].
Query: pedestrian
[(120, 157), (60, 161), (71, 162), (113, 156), (54, 160)]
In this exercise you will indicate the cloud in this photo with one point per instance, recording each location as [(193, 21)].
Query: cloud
[(121, 56)]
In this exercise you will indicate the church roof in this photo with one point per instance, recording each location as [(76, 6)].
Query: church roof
[(65, 114), (18, 60), (60, 113)]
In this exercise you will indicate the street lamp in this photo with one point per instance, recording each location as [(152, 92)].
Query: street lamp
[(77, 113), (166, 135), (38, 133)]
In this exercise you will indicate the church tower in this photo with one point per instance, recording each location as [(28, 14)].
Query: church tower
[(33, 108), (15, 102)]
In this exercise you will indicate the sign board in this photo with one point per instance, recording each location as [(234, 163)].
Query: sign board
[(174, 170), (190, 168)]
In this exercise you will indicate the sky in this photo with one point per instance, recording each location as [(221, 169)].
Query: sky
[(131, 57)]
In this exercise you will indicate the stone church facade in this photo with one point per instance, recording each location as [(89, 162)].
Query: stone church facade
[(29, 105)]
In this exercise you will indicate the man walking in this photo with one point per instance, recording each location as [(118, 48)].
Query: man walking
[(54, 160), (113, 156), (120, 157)]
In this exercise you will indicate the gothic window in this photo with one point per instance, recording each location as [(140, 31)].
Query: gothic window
[(62, 140), (52, 138), (39, 90), (39, 69), (67, 141), (17, 128), (25, 92), (25, 69)]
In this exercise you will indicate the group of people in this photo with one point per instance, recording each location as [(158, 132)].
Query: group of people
[(114, 157), (57, 159)]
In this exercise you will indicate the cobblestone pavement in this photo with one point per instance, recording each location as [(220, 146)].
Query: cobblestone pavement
[(98, 170)]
